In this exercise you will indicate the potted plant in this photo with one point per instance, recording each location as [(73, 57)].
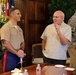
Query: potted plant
[(67, 6)]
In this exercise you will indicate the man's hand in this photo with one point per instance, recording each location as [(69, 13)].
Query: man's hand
[(21, 53), (62, 38), (57, 27)]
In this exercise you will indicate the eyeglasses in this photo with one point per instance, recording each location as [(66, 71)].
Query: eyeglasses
[(56, 16)]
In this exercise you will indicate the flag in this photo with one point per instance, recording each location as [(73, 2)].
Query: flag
[(7, 7), (9, 4)]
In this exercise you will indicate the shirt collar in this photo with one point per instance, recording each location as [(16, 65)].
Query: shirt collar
[(13, 25), (62, 24)]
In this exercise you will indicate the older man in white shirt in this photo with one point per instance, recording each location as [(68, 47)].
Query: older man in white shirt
[(55, 40)]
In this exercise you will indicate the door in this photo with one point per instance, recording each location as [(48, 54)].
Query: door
[(36, 17)]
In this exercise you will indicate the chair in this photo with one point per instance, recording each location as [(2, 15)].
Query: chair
[(72, 53), (37, 53)]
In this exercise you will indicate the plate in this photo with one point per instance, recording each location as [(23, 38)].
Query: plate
[(59, 66), (70, 69), (16, 71)]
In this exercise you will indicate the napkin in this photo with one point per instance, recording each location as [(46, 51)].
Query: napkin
[(70, 69), (59, 66)]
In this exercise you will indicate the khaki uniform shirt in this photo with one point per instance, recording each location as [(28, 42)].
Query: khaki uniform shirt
[(13, 34), (72, 23)]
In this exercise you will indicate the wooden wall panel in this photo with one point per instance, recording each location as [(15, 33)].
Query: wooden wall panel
[(39, 11), (31, 27), (35, 21), (31, 9)]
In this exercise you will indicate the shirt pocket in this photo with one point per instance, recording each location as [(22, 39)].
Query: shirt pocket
[(13, 32)]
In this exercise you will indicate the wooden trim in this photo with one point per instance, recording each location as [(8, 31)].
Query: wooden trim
[(36, 22)]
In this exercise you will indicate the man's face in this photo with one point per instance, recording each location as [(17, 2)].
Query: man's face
[(57, 18), (16, 15)]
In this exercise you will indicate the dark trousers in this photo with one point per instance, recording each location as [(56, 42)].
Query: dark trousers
[(12, 61), (53, 61)]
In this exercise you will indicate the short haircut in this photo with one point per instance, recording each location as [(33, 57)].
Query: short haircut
[(61, 13), (12, 9)]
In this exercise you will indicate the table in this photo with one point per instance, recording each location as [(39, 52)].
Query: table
[(45, 70)]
